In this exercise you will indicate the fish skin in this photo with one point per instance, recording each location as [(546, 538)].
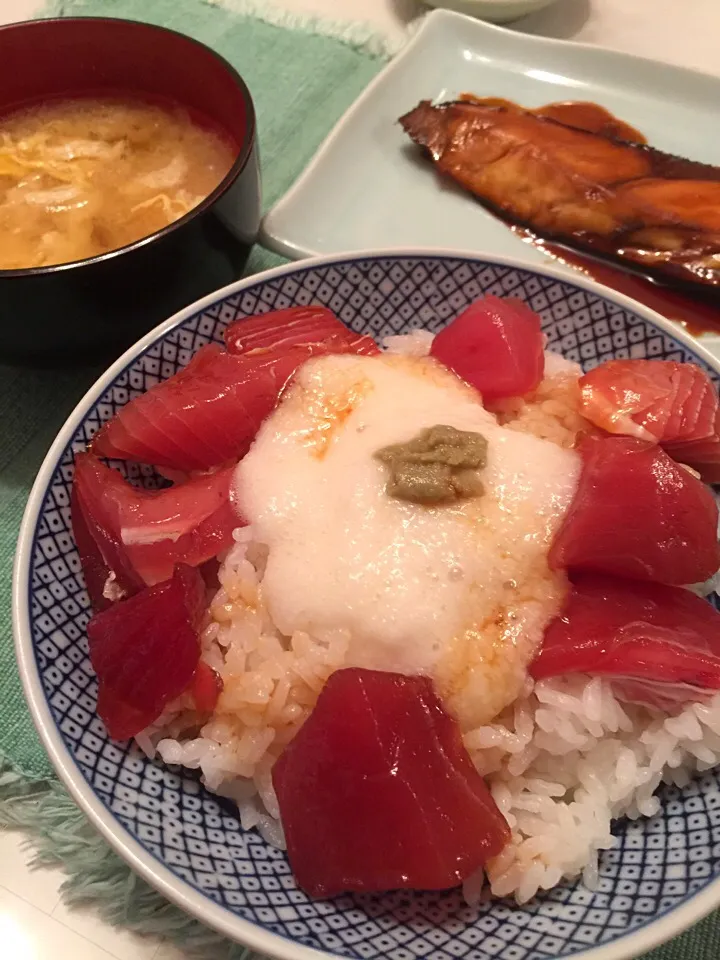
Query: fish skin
[(624, 200)]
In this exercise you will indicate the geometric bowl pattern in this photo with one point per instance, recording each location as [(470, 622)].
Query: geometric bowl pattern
[(659, 863)]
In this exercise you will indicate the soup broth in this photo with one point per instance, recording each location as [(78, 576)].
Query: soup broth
[(81, 177)]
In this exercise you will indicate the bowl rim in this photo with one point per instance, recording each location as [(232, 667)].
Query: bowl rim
[(242, 156), (497, 5), (651, 934)]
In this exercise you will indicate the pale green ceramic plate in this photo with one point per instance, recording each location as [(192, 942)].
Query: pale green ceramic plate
[(368, 187)]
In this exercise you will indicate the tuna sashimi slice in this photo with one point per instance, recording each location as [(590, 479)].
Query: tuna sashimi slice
[(662, 642), (121, 720), (314, 327), (145, 651), (207, 415), (205, 688), (195, 420), (496, 346), (190, 522), (128, 537), (95, 568), (107, 569), (377, 791), (674, 404), (638, 514)]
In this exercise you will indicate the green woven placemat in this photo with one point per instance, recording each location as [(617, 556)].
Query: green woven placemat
[(302, 79)]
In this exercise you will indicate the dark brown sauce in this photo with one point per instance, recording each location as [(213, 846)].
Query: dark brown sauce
[(697, 312), (581, 114)]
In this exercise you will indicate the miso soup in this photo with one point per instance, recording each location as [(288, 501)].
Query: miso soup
[(81, 177)]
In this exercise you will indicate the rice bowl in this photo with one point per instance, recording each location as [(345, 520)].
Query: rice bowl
[(539, 754)]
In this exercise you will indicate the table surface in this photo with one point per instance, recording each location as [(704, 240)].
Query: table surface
[(34, 922)]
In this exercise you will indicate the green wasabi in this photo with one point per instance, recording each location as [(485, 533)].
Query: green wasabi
[(439, 465)]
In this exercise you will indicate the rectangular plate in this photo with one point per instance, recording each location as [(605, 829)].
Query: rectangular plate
[(369, 187)]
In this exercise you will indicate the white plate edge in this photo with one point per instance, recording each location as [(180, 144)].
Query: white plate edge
[(266, 237)]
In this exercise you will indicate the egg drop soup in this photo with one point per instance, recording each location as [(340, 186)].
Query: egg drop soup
[(82, 177)]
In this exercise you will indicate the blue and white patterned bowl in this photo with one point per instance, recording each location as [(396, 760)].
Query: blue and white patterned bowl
[(665, 872)]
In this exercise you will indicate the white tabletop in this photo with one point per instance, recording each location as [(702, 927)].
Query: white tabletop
[(34, 922), (678, 32)]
